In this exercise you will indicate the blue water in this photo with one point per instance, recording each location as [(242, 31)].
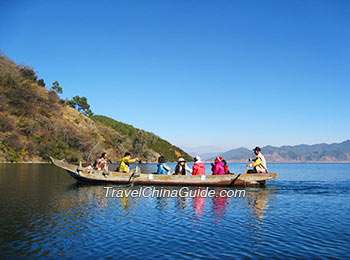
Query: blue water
[(303, 214)]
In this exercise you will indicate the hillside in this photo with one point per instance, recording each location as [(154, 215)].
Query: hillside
[(35, 124), (142, 142), (337, 152)]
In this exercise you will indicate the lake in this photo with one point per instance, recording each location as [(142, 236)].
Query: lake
[(303, 214)]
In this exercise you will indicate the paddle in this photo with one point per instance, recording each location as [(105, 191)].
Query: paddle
[(133, 179), (246, 170)]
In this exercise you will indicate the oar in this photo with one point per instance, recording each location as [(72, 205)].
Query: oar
[(133, 179), (107, 172), (246, 170), (133, 176)]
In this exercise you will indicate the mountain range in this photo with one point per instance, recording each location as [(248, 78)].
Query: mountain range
[(205, 151), (335, 152)]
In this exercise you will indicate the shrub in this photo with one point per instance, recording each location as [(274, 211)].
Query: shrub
[(13, 156), (3, 102), (28, 73), (7, 124), (14, 142), (41, 82), (29, 127), (53, 97), (23, 99)]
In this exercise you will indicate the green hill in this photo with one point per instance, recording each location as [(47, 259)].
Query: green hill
[(141, 140), (36, 123)]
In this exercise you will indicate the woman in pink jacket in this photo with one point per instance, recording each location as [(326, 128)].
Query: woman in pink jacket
[(219, 167), (198, 166)]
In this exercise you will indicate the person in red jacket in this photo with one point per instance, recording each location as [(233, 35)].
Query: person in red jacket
[(198, 166)]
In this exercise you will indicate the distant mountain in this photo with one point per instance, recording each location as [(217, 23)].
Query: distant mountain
[(336, 152), (204, 151), (237, 154), (207, 156)]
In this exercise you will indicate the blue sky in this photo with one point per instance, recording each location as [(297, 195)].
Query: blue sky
[(223, 73)]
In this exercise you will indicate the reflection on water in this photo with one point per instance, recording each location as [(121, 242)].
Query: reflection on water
[(199, 202), (256, 199), (45, 213), (219, 203)]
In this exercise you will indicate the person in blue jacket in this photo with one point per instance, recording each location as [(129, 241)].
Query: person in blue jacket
[(163, 168)]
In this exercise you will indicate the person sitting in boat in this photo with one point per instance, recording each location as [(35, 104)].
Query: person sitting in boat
[(198, 166), (227, 170), (181, 167), (259, 165), (163, 168), (218, 168), (124, 164), (213, 165), (101, 163)]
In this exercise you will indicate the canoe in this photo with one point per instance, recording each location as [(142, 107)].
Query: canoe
[(81, 174)]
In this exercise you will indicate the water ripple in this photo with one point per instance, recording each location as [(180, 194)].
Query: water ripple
[(289, 219)]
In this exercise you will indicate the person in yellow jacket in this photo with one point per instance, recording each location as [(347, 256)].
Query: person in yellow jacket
[(124, 164), (259, 165)]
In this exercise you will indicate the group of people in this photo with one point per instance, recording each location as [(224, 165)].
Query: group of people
[(219, 167), (124, 166), (181, 167)]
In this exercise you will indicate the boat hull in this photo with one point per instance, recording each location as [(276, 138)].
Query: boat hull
[(95, 176)]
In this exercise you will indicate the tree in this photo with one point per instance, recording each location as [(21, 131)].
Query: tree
[(28, 73), (56, 87), (41, 82), (80, 104)]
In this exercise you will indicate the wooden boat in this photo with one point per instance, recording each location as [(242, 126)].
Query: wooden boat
[(82, 174)]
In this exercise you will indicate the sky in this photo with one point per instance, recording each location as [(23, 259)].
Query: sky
[(196, 73)]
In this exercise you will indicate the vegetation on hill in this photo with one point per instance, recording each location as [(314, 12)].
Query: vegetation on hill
[(36, 123), (142, 140)]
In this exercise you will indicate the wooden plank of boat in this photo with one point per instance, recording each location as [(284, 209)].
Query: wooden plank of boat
[(228, 180)]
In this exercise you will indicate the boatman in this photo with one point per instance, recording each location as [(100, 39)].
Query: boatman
[(124, 164), (259, 165)]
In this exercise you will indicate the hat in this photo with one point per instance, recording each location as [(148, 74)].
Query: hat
[(181, 160), (257, 149), (220, 158), (197, 159)]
